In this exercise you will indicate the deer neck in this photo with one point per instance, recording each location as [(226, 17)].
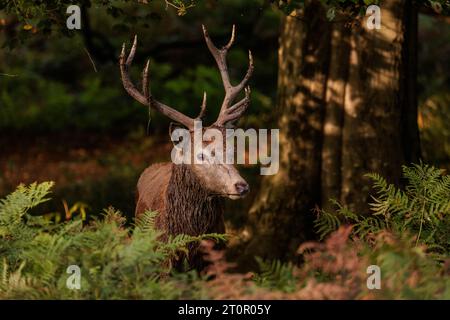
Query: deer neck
[(191, 209)]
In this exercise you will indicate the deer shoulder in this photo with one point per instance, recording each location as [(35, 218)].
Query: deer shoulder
[(151, 190)]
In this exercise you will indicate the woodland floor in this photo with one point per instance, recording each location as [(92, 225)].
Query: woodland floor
[(68, 159)]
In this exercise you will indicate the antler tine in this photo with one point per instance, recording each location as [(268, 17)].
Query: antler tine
[(202, 107), (145, 97), (132, 51), (230, 43), (249, 73), (231, 91), (127, 83), (233, 113), (145, 86), (237, 106), (220, 57)]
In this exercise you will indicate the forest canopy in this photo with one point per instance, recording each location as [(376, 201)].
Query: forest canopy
[(49, 16)]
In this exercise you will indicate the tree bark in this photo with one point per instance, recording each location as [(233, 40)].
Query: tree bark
[(280, 213), (346, 107)]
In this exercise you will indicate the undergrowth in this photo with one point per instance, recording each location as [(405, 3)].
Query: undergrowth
[(115, 262), (422, 209), (405, 235)]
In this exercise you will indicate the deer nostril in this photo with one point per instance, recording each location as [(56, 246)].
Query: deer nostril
[(242, 188)]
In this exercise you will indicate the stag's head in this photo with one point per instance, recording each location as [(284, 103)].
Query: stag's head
[(218, 176)]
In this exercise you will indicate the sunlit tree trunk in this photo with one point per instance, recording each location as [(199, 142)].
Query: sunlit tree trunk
[(346, 106)]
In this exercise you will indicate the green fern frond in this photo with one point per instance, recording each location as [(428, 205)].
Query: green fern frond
[(422, 208), (326, 223), (17, 204), (146, 221), (275, 275)]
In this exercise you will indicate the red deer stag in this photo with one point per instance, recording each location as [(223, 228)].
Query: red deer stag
[(189, 197)]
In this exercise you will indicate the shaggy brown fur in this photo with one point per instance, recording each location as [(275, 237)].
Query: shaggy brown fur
[(184, 206)]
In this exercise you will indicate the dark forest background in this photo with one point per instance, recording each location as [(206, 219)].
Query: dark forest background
[(65, 116)]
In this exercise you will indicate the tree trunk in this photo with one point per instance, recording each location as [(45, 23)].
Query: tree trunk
[(346, 107)]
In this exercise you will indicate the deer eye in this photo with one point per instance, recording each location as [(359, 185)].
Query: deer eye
[(201, 156)]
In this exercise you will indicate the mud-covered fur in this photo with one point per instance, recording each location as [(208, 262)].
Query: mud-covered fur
[(198, 212), (183, 204)]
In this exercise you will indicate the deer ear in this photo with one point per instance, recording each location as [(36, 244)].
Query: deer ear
[(179, 137), (174, 126)]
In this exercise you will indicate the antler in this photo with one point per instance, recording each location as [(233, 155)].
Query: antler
[(230, 113), (145, 96)]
